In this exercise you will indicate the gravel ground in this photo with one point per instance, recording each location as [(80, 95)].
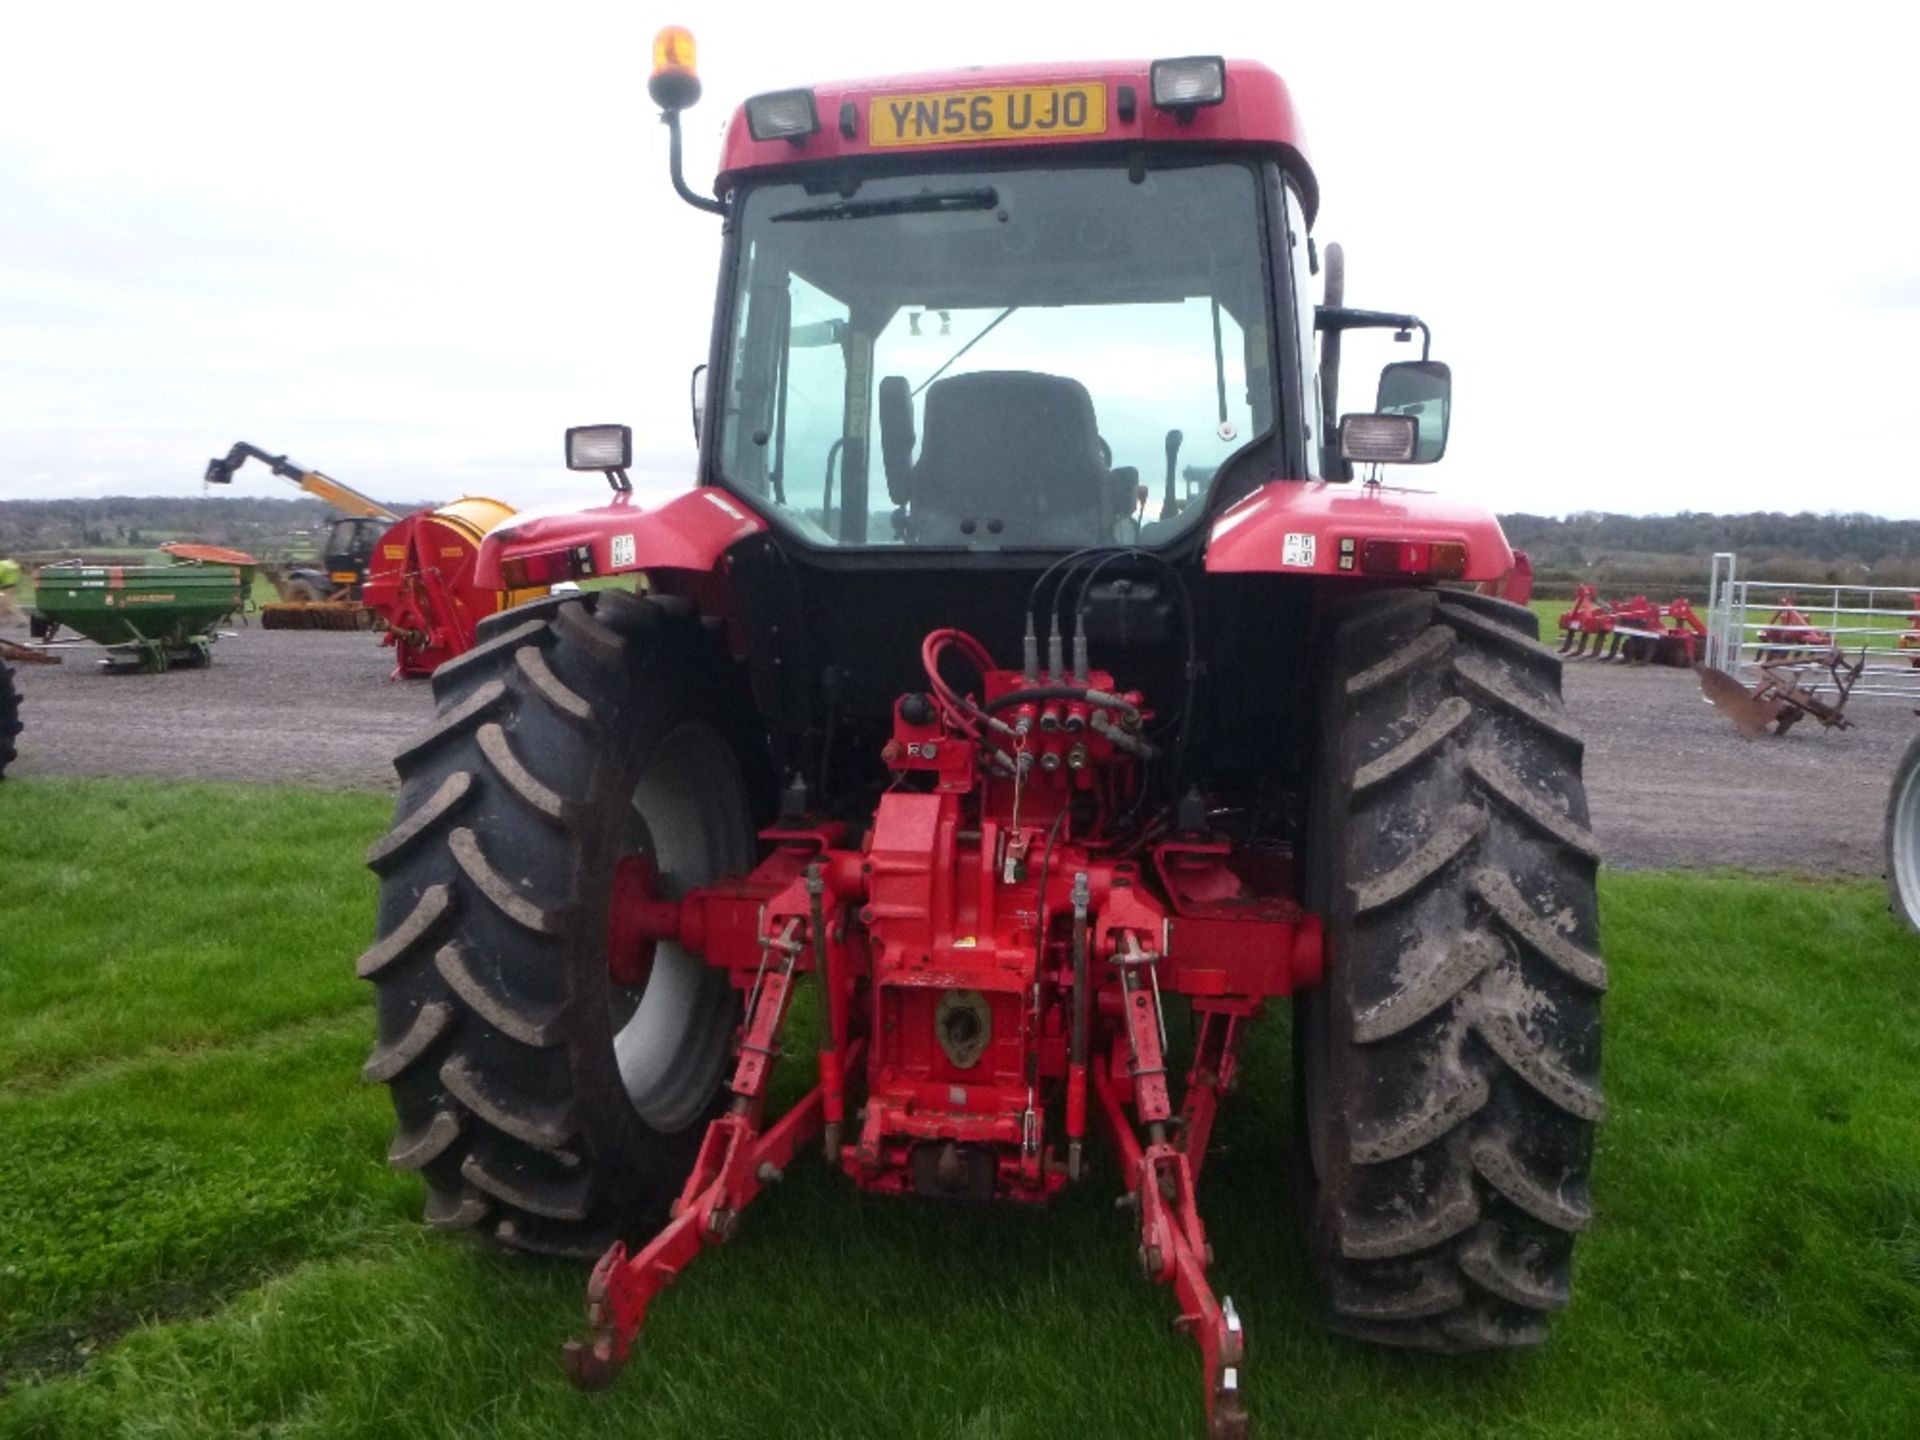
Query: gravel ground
[(1672, 783), (275, 705)]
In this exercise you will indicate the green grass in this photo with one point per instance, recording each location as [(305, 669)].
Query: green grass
[(198, 1237)]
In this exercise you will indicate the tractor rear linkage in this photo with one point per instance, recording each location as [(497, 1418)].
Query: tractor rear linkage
[(977, 959)]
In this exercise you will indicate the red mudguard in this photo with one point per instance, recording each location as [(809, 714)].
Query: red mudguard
[(1296, 527), (689, 532)]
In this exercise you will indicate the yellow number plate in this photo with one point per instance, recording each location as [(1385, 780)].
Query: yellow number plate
[(956, 117)]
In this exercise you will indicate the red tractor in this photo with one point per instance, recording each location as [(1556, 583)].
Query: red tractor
[(1048, 785)]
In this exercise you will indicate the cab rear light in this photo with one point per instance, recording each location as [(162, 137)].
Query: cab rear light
[(783, 115), (1437, 559), (546, 567), (1186, 84)]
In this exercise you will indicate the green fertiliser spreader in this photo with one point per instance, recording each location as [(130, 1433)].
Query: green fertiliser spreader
[(155, 616)]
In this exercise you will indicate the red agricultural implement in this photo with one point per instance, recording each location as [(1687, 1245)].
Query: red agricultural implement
[(1790, 638), (1051, 795), (421, 587), (410, 577), (1638, 631)]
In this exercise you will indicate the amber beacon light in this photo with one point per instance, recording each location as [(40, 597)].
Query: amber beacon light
[(675, 82)]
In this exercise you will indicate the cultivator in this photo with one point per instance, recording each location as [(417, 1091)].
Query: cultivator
[(1638, 632), (1790, 638), (327, 614)]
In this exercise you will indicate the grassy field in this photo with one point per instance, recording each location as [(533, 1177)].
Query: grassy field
[(198, 1235)]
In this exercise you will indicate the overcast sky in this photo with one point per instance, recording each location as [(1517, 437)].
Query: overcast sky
[(1670, 251)]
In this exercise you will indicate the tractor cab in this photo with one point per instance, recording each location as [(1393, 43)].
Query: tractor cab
[(997, 356), (970, 323), (1003, 317)]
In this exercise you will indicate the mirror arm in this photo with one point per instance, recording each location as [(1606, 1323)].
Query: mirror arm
[(671, 119), (1336, 319)]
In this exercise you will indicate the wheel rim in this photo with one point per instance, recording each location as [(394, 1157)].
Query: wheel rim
[(690, 817), (1905, 842)]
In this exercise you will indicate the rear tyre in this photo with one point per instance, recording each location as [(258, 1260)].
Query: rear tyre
[(9, 718), (542, 1103), (1903, 838), (1449, 1064)]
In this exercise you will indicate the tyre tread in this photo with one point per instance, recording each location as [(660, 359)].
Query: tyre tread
[(433, 905), (450, 723), (507, 1097), (389, 1059), (1463, 1047), (437, 807)]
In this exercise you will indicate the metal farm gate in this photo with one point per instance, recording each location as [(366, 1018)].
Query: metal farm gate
[(1878, 622)]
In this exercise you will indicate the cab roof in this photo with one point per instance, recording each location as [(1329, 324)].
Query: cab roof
[(865, 119)]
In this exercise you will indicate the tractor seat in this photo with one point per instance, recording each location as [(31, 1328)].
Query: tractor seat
[(1008, 453)]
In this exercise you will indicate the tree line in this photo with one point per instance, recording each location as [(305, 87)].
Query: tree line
[(1651, 552), (114, 525), (1618, 553)]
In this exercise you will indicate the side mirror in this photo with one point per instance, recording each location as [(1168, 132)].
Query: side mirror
[(1422, 389)]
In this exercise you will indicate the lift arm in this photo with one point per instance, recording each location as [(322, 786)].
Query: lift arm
[(341, 497)]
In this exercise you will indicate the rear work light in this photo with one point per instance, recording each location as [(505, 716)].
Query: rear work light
[(599, 447), (1439, 559), (783, 115), (1379, 439), (602, 447), (1188, 84), (546, 567)]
